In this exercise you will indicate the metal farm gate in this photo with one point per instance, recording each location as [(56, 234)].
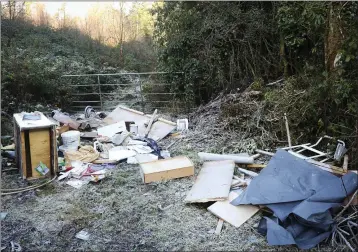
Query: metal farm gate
[(140, 91)]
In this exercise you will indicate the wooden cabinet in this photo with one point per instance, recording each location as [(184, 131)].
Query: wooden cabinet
[(35, 142)]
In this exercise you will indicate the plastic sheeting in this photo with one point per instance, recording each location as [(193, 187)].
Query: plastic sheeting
[(301, 197)]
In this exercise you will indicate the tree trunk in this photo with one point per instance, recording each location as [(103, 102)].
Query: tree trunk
[(283, 56), (334, 36), (333, 41)]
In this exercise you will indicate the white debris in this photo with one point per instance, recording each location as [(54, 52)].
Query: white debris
[(83, 235)]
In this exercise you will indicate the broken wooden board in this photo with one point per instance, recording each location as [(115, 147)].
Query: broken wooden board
[(219, 226), (213, 182), (125, 114), (122, 113), (112, 129), (150, 123), (235, 215), (345, 163), (165, 169), (158, 131), (63, 129), (161, 129), (327, 167), (254, 166)]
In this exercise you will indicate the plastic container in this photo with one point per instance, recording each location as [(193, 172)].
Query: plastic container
[(65, 119), (182, 124), (133, 128), (71, 139)]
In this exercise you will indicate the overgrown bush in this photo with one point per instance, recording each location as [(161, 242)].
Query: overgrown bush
[(226, 46)]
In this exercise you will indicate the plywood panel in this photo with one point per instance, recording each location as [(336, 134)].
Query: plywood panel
[(213, 182), (166, 169), (160, 129), (128, 115), (235, 215), (112, 129), (40, 149)]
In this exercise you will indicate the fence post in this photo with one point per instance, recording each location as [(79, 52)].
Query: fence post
[(100, 93), (141, 92)]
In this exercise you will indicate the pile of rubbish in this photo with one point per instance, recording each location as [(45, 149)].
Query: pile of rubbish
[(90, 145), (93, 144), (302, 193)]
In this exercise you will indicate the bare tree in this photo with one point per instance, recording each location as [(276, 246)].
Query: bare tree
[(14, 9)]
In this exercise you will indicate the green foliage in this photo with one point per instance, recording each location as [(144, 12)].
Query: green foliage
[(316, 106), (302, 25), (219, 45), (222, 46), (257, 84)]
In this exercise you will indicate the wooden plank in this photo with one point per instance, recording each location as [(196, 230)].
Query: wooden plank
[(330, 168), (252, 166), (40, 150), (219, 226), (122, 113), (63, 129), (165, 169), (213, 182), (161, 129), (345, 163), (235, 215), (150, 123), (158, 131), (288, 131)]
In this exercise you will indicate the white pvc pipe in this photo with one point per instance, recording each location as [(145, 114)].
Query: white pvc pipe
[(247, 172), (204, 156)]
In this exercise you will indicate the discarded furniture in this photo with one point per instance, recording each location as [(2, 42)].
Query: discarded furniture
[(321, 165), (316, 154), (165, 169), (35, 142)]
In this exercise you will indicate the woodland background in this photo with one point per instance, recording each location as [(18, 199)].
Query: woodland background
[(222, 47)]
